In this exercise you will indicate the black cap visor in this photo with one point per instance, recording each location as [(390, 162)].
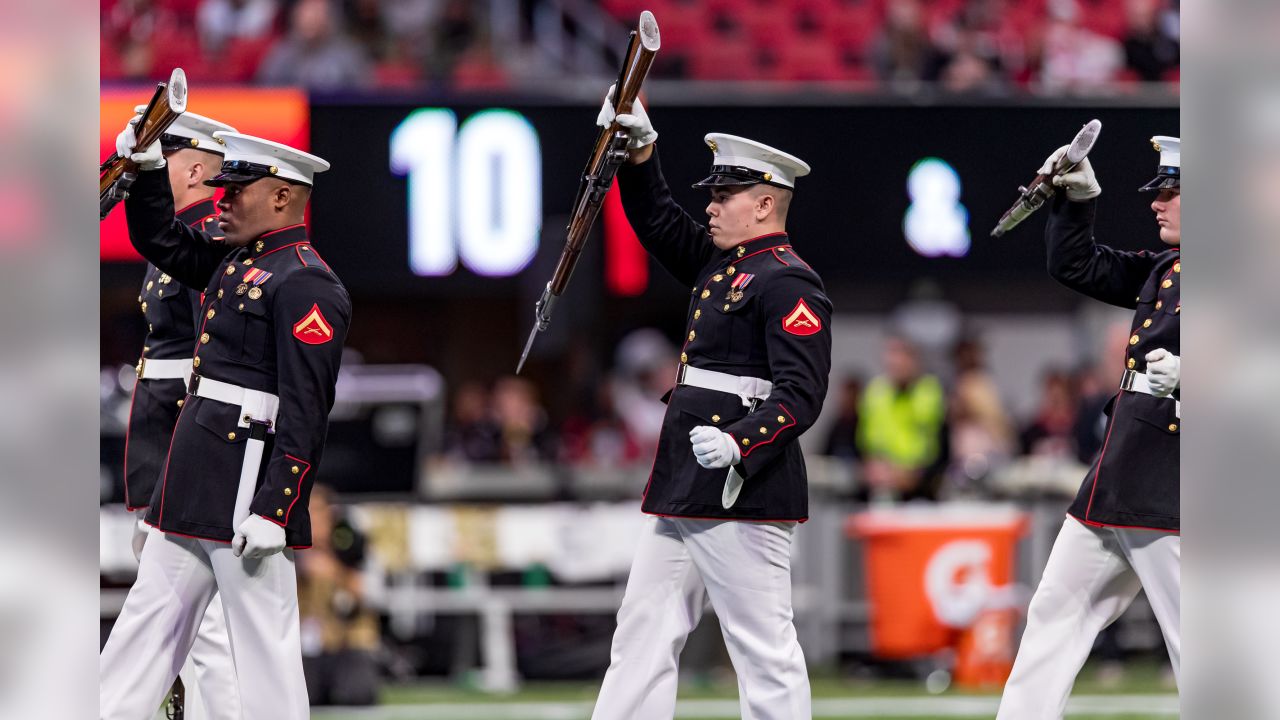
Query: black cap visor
[(1166, 178)]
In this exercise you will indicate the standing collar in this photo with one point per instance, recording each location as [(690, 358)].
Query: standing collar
[(758, 243), (276, 239), (197, 211)]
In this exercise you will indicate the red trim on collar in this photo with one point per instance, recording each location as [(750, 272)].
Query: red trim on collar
[(762, 237), (280, 230), (282, 247)]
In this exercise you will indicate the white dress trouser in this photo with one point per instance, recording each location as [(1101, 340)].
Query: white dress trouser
[(745, 570), (177, 579), (1092, 576)]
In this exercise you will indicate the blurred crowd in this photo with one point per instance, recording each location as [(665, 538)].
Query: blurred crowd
[(915, 427), (988, 47)]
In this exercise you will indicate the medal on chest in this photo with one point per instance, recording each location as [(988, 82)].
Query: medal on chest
[(737, 286)]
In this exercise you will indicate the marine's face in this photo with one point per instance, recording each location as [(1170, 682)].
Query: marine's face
[(1168, 209), (246, 211), (731, 216)]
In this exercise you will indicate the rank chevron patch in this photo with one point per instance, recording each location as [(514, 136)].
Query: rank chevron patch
[(313, 329), (801, 320)]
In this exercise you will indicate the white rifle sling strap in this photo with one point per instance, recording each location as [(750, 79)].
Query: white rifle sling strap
[(258, 413)]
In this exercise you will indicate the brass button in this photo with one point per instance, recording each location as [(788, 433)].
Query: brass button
[(782, 418), (1173, 427), (196, 362), (715, 418), (746, 441), (279, 512), (219, 293), (181, 402), (1177, 267), (150, 284), (684, 358), (248, 261), (1168, 283), (1159, 304), (1134, 339), (730, 270), (257, 247), (160, 292), (139, 298), (295, 470), (692, 335), (1146, 323), (706, 294), (204, 338), (151, 328), (764, 430), (209, 315), (726, 307), (231, 269), (144, 306), (240, 306), (741, 251), (717, 277), (288, 492), (1131, 363), (1177, 310), (697, 314), (230, 435)]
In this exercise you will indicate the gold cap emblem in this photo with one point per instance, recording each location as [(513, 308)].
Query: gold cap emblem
[(712, 144), (1155, 144)]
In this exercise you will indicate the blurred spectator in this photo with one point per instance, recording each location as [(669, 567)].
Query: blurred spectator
[(900, 428), (981, 436), (1074, 57), (1151, 45), (452, 34), (600, 436), (472, 433), (902, 53), (339, 631), (842, 439), (1051, 433), (979, 48), (1098, 385), (522, 422), (132, 28), (316, 54), (367, 24), (220, 21), (646, 365)]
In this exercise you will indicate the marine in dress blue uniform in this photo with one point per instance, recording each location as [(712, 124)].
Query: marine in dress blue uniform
[(192, 155), (1121, 533), (246, 450), (728, 485)]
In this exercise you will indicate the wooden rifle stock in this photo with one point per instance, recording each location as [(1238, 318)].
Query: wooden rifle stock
[(117, 173), (607, 155)]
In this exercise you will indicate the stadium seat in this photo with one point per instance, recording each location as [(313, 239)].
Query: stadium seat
[(808, 61), (725, 58)]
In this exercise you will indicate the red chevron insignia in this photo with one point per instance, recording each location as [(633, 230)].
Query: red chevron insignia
[(313, 329), (801, 320)]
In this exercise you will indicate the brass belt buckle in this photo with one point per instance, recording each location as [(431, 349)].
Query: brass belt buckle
[(141, 367)]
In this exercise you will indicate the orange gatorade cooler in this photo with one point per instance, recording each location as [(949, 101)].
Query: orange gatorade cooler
[(941, 577)]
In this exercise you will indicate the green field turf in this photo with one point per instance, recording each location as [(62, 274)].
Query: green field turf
[(1143, 694)]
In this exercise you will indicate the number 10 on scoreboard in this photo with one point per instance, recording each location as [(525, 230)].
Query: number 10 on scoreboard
[(475, 192)]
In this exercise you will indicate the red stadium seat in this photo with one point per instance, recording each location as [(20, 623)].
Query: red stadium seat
[(725, 58), (808, 61), (681, 23)]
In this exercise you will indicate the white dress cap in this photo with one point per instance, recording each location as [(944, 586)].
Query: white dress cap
[(192, 131), (1169, 174), (740, 161), (249, 158)]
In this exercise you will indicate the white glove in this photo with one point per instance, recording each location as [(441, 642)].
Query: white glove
[(1080, 183), (639, 128), (151, 157), (141, 531), (257, 537), (1163, 371), (713, 448)]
